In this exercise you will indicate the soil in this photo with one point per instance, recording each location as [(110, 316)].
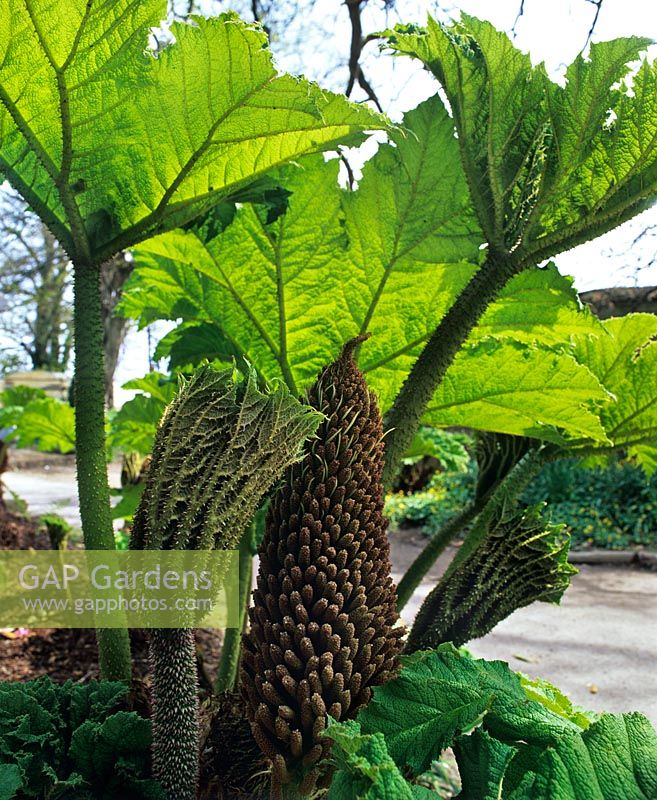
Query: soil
[(72, 654), (18, 533)]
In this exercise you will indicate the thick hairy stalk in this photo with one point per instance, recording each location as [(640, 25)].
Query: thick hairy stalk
[(323, 626), (230, 651), (403, 419), (175, 712), (93, 485), (499, 507), (522, 559), (220, 445), (497, 454)]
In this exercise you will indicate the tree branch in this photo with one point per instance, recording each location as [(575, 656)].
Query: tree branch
[(521, 11), (356, 74), (598, 8)]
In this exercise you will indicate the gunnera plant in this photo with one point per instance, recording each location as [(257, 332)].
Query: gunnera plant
[(323, 626), (221, 443)]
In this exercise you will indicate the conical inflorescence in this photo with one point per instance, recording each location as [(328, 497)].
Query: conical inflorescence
[(323, 626)]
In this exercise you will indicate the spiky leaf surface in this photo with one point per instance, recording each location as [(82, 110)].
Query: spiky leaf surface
[(548, 166), (322, 627), (624, 358), (521, 560), (220, 445), (511, 742), (109, 144)]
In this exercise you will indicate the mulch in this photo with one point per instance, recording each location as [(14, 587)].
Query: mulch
[(65, 654)]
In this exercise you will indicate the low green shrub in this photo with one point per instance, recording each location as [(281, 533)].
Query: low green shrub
[(72, 742), (447, 494), (614, 507), (58, 529)]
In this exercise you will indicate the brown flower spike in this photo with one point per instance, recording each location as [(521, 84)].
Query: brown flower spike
[(323, 626)]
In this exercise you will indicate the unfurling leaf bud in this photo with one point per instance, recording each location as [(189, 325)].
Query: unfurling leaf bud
[(323, 627)]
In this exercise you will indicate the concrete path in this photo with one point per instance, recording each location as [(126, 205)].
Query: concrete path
[(599, 646), (52, 489)]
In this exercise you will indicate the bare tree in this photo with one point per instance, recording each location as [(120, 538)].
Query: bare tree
[(35, 282)]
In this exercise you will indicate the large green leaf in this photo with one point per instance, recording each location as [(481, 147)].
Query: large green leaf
[(48, 424), (441, 693), (520, 748), (389, 258), (624, 359), (548, 166), (110, 144), (538, 305), (556, 317), (616, 757), (413, 239), (525, 390), (386, 258)]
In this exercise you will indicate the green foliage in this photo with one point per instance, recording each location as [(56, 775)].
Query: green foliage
[(613, 506), (58, 530), (133, 427), (450, 449), (624, 359), (524, 390), (72, 742), (364, 770), (548, 166), (446, 494), (194, 342), (514, 739), (298, 287), (37, 420), (110, 143), (13, 401), (335, 264), (126, 507), (158, 153), (48, 424)]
